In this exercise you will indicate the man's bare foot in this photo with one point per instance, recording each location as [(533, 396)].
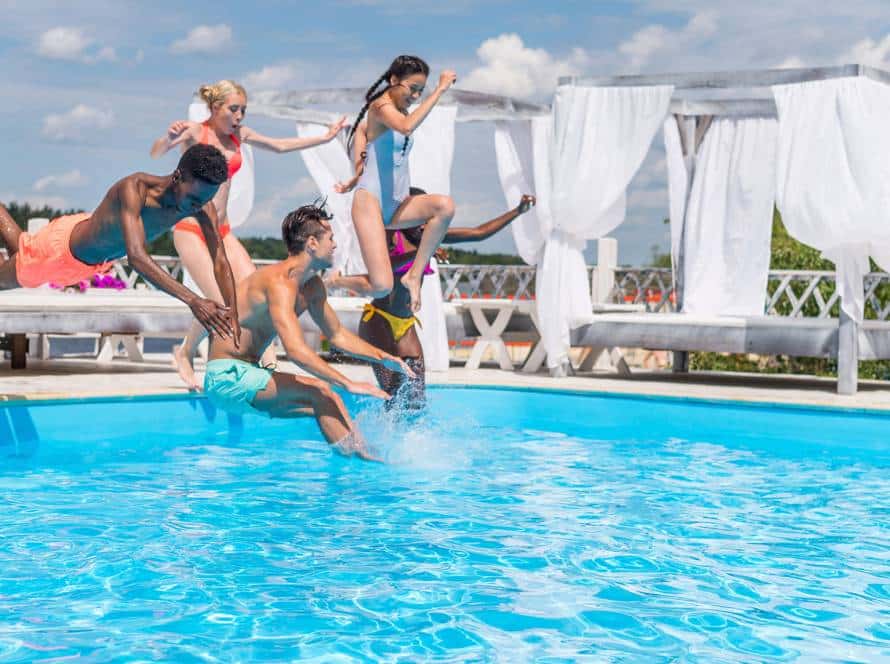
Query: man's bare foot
[(354, 443), (184, 367), (413, 285)]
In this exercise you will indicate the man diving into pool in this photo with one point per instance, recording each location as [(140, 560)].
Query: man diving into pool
[(136, 209), (388, 321), (270, 301)]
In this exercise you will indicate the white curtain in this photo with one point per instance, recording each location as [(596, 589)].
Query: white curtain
[(430, 165), (833, 175), (241, 192), (728, 224), (600, 137), (328, 164), (522, 148)]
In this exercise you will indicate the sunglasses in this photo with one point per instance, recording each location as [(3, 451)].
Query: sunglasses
[(413, 89)]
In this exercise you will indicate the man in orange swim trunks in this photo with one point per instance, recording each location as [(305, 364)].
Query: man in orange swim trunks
[(135, 210)]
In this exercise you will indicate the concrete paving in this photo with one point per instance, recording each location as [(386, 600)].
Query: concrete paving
[(84, 378)]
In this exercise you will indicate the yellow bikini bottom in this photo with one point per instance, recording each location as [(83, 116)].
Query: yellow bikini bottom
[(399, 326)]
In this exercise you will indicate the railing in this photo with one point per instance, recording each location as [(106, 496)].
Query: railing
[(790, 293), (499, 281), (649, 286)]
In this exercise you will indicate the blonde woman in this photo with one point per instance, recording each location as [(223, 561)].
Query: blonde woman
[(224, 129)]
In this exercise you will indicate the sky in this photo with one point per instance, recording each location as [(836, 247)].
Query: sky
[(90, 84)]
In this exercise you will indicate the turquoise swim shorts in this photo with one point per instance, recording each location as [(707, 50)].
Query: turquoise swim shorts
[(232, 385)]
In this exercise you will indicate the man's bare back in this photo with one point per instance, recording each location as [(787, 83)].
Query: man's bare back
[(102, 238), (135, 210)]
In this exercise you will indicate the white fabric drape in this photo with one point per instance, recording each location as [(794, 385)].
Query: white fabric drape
[(430, 165), (522, 149), (433, 152), (600, 137), (241, 191), (678, 183), (328, 164), (833, 175), (728, 224)]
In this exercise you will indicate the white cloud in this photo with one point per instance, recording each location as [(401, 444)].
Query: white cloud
[(792, 62), (644, 43), (271, 210), (273, 77), (203, 39), (510, 68), (76, 122), (70, 179), (869, 52), (73, 44), (652, 39)]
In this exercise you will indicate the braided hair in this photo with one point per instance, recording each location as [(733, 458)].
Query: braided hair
[(401, 67)]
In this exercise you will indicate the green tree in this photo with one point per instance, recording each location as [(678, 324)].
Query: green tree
[(789, 254)]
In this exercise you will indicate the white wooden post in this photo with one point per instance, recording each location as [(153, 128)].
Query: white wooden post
[(602, 281), (847, 354)]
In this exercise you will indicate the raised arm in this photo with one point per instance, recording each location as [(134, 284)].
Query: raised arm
[(489, 228), (386, 113), (326, 319), (211, 315), (222, 271), (180, 132), (280, 145)]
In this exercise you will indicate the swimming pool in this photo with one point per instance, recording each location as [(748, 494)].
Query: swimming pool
[(509, 525)]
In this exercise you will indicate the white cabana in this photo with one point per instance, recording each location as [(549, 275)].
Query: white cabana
[(812, 141), (430, 166)]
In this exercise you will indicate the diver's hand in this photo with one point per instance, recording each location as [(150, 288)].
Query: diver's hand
[(525, 203), (216, 318), (335, 128), (398, 365), (357, 387), (446, 79), (345, 187), (176, 128)]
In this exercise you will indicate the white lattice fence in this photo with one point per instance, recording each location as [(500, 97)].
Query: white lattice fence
[(650, 286), (791, 293)]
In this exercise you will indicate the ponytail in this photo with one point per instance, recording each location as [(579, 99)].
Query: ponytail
[(370, 96)]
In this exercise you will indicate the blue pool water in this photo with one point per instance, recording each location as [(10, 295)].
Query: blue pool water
[(508, 526)]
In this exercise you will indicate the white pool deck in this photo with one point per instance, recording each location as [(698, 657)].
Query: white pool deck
[(84, 378)]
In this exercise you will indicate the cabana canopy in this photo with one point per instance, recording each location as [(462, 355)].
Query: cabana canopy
[(812, 141), (303, 105)]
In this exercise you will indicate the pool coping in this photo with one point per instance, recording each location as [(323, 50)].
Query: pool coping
[(52, 400)]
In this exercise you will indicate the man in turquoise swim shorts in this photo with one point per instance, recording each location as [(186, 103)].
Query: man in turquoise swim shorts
[(269, 303)]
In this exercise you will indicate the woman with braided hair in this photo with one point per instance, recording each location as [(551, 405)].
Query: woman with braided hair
[(382, 200)]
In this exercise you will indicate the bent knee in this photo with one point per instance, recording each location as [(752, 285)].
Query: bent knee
[(444, 205)]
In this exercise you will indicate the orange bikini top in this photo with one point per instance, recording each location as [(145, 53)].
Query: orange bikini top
[(235, 162)]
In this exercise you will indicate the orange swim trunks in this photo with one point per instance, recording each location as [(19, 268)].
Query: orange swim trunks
[(46, 256), (192, 226)]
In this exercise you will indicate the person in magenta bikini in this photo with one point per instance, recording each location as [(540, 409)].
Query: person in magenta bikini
[(227, 102), (389, 323)]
